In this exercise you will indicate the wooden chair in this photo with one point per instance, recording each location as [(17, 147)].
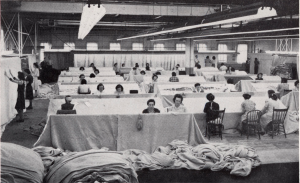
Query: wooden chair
[(211, 126), (252, 122), (278, 120)]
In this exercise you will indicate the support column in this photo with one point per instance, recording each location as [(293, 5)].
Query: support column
[(189, 56)]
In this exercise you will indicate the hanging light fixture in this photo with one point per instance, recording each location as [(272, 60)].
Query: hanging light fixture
[(92, 13)]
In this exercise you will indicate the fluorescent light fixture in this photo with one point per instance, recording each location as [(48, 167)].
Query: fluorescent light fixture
[(251, 38), (89, 18), (261, 13), (282, 52)]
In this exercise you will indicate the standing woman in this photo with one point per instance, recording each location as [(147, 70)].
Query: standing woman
[(29, 90), (35, 75), (256, 64), (20, 105)]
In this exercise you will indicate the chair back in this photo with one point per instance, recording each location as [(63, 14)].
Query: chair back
[(279, 115), (66, 112), (253, 117), (219, 119)]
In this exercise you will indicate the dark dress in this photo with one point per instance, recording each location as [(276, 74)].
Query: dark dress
[(21, 98), (67, 106), (209, 110), (256, 63), (155, 111), (247, 66), (29, 89)]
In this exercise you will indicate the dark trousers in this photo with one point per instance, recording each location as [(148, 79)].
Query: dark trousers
[(256, 69)]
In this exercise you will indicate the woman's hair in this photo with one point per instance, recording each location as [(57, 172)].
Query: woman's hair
[(27, 71), (136, 65), (177, 96), (259, 74), (210, 97), (296, 82), (197, 84), (92, 65), (207, 56), (81, 75), (36, 65), (123, 65), (283, 80), (173, 73), (222, 64), (147, 64), (81, 68), (92, 75), (232, 69), (21, 76), (143, 72), (119, 86), (158, 73), (246, 96), (272, 95), (213, 57), (198, 66), (154, 75), (97, 70), (230, 81), (151, 100), (115, 64), (100, 84), (83, 81)]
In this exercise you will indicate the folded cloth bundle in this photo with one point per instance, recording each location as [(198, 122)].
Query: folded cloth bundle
[(20, 164)]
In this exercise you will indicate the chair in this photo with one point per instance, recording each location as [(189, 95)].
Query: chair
[(66, 112), (218, 122), (252, 121), (182, 73), (278, 120)]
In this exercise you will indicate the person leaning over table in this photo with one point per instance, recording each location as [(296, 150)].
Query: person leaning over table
[(81, 77), (210, 108), (151, 109), (230, 86), (67, 105), (174, 78), (83, 88), (177, 106), (267, 111), (100, 89), (223, 67), (198, 88), (296, 89), (247, 105), (119, 90), (282, 86)]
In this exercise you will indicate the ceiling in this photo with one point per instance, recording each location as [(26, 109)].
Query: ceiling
[(140, 22)]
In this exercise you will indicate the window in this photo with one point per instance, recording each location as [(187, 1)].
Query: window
[(222, 57), (114, 46), (159, 46), (180, 46), (91, 46), (47, 46), (137, 46), (242, 49), (201, 47), (69, 46)]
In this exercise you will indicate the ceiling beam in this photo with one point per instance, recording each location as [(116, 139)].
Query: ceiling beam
[(113, 8)]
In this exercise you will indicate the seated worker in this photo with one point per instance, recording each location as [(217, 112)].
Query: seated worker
[(92, 77), (143, 72), (151, 109), (210, 108), (174, 78), (136, 65), (148, 67), (67, 105), (259, 76), (198, 88), (233, 71), (81, 77), (230, 86), (119, 90), (177, 106), (81, 68), (96, 71), (282, 86), (100, 89), (296, 89), (223, 67), (83, 88)]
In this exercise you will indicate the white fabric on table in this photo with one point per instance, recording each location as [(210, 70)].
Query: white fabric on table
[(291, 123), (88, 79), (101, 74)]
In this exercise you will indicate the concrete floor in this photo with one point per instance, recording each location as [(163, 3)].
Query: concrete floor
[(277, 150)]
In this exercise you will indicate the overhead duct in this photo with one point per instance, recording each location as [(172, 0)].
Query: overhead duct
[(91, 14)]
